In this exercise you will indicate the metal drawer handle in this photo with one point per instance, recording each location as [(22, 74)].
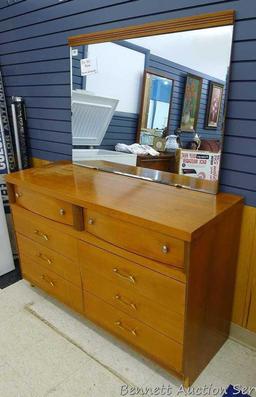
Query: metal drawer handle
[(45, 278), (44, 258), (165, 249), (125, 302), (40, 234), (18, 195), (62, 212), (120, 325), (91, 221), (126, 277)]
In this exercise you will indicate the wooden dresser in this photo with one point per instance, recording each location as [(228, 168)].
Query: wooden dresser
[(153, 264), (164, 162)]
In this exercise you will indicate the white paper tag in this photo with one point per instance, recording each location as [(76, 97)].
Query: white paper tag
[(88, 66), (74, 52)]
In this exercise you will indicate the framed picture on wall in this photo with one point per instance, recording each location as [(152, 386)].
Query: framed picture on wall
[(214, 105), (191, 103)]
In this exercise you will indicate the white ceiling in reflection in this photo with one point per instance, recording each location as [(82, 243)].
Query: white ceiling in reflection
[(205, 50)]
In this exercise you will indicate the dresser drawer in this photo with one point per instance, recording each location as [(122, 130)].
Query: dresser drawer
[(157, 346), (148, 311), (139, 240), (52, 283), (50, 259), (43, 233), (46, 206), (163, 290)]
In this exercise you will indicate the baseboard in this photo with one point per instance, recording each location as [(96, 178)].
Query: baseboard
[(242, 336)]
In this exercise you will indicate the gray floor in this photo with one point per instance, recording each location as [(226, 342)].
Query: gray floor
[(46, 350)]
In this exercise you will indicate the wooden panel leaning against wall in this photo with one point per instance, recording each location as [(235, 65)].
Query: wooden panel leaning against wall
[(244, 309)]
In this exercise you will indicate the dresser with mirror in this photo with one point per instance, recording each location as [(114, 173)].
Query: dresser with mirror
[(133, 234), (154, 102)]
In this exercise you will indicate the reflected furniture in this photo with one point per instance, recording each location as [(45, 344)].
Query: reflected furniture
[(163, 162), (153, 264), (155, 104)]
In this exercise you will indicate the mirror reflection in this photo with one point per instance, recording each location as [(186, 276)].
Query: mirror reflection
[(153, 103), (156, 105)]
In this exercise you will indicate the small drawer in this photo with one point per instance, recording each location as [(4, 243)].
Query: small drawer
[(137, 306), (139, 240), (163, 290), (51, 283), (46, 206), (50, 259), (31, 226), (157, 346)]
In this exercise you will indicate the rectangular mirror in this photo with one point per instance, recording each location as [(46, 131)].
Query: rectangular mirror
[(153, 107)]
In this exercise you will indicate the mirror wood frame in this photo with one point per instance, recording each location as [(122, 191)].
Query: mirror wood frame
[(202, 21), (143, 99)]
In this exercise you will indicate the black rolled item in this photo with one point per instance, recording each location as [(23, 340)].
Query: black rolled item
[(20, 132), (6, 134)]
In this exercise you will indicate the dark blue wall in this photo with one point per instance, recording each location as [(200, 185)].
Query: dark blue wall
[(35, 64)]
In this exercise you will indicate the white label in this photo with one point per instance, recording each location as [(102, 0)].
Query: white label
[(88, 66), (74, 52)]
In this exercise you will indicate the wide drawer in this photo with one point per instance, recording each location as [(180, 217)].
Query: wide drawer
[(162, 289), (50, 259), (46, 206), (52, 283), (42, 232), (148, 311), (157, 346), (139, 240)]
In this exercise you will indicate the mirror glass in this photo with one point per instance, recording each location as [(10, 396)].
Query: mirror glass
[(156, 102), (153, 107)]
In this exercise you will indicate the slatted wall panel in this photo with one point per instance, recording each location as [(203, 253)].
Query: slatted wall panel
[(35, 64), (123, 128)]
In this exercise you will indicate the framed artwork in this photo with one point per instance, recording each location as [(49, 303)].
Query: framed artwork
[(214, 105), (191, 103)]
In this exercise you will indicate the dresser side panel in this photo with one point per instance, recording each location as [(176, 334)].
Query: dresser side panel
[(210, 290)]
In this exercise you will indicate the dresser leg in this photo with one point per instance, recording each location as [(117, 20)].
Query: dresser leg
[(32, 285), (186, 382)]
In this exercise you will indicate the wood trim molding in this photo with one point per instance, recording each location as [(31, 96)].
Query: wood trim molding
[(202, 21)]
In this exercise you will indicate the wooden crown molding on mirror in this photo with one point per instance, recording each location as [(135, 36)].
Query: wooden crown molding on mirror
[(203, 21)]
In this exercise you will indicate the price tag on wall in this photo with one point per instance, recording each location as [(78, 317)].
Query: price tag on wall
[(88, 66)]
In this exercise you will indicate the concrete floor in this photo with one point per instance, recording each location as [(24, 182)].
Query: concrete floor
[(46, 350)]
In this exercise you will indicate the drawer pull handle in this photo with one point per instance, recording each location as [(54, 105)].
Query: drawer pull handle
[(18, 195), (44, 258), (91, 221), (165, 249), (62, 212), (40, 234), (126, 277), (45, 278), (120, 325), (125, 302)]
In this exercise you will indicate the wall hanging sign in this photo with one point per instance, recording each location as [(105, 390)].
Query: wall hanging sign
[(88, 66), (214, 105), (199, 164), (191, 103)]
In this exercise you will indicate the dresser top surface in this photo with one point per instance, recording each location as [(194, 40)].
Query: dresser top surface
[(181, 213)]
